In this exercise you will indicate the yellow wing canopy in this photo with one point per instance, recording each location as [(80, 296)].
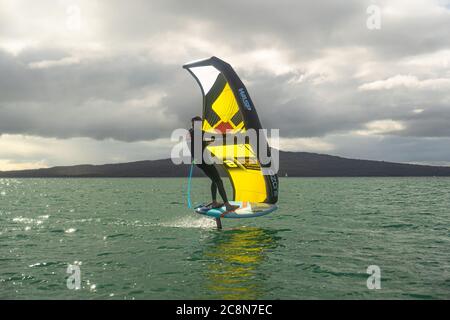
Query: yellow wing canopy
[(227, 107)]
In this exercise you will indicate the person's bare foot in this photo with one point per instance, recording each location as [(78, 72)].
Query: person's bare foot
[(229, 207)]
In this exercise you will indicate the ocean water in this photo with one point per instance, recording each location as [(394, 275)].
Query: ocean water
[(136, 239)]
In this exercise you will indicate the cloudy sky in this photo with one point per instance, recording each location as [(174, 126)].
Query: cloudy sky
[(101, 81)]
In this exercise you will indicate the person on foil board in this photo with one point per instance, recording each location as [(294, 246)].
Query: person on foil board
[(210, 171)]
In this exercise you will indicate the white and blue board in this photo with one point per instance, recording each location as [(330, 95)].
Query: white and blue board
[(245, 210)]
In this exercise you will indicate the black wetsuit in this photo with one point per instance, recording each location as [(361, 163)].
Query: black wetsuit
[(210, 170)]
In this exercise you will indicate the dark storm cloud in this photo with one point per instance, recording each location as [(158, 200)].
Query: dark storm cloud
[(308, 110), (108, 78), (97, 98), (432, 122), (305, 27), (134, 88)]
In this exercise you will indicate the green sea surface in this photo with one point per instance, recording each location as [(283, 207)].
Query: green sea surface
[(136, 239)]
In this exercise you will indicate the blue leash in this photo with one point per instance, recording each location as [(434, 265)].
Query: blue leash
[(189, 185)]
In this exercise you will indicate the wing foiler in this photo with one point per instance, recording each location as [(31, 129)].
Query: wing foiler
[(228, 108)]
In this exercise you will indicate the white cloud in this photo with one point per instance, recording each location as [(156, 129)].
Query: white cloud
[(439, 59), (272, 60), (305, 144), (54, 63), (380, 127), (413, 8), (16, 46), (29, 152), (406, 81), (9, 165)]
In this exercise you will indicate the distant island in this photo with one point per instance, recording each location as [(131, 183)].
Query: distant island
[(292, 164)]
